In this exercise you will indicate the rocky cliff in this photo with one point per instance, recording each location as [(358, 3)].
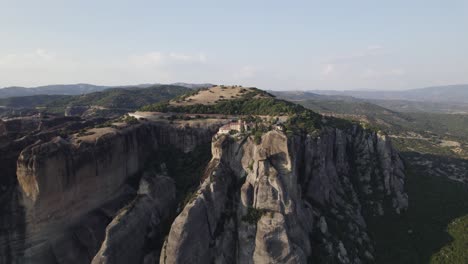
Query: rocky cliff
[(112, 194), (140, 224), (17, 126), (294, 199), (74, 193)]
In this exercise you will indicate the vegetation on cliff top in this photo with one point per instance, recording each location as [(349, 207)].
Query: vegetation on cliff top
[(256, 102)]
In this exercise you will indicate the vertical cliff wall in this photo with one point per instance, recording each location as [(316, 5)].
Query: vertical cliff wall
[(69, 190), (286, 199), (289, 200)]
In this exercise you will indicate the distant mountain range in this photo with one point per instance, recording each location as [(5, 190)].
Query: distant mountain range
[(61, 89), (448, 93), (436, 105), (77, 89), (123, 98), (437, 99), (307, 95)]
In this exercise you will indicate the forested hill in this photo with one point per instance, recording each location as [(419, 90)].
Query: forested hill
[(127, 98)]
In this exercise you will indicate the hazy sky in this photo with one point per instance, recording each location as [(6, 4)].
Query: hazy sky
[(269, 44)]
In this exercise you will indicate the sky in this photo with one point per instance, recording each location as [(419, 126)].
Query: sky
[(277, 45)]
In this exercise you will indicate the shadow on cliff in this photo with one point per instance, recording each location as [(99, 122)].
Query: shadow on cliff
[(185, 168), (12, 226), (418, 234)]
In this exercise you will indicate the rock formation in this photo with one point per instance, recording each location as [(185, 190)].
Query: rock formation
[(70, 190), (289, 200), (138, 222), (91, 197)]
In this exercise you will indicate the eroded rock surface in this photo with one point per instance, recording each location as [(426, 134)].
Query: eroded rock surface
[(90, 198), (289, 200), (139, 222), (69, 190)]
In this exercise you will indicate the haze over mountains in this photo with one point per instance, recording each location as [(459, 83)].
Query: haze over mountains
[(447, 93), (61, 89), (452, 99)]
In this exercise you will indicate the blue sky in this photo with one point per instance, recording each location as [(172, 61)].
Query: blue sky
[(269, 44)]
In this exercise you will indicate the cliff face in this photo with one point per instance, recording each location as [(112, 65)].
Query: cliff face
[(139, 222), (92, 198), (18, 126), (70, 190), (289, 200)]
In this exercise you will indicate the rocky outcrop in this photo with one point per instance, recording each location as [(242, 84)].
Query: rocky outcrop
[(289, 200), (13, 143), (193, 230), (12, 226), (17, 126), (70, 189), (139, 222), (90, 197)]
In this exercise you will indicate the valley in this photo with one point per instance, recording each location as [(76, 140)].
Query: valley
[(434, 145)]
